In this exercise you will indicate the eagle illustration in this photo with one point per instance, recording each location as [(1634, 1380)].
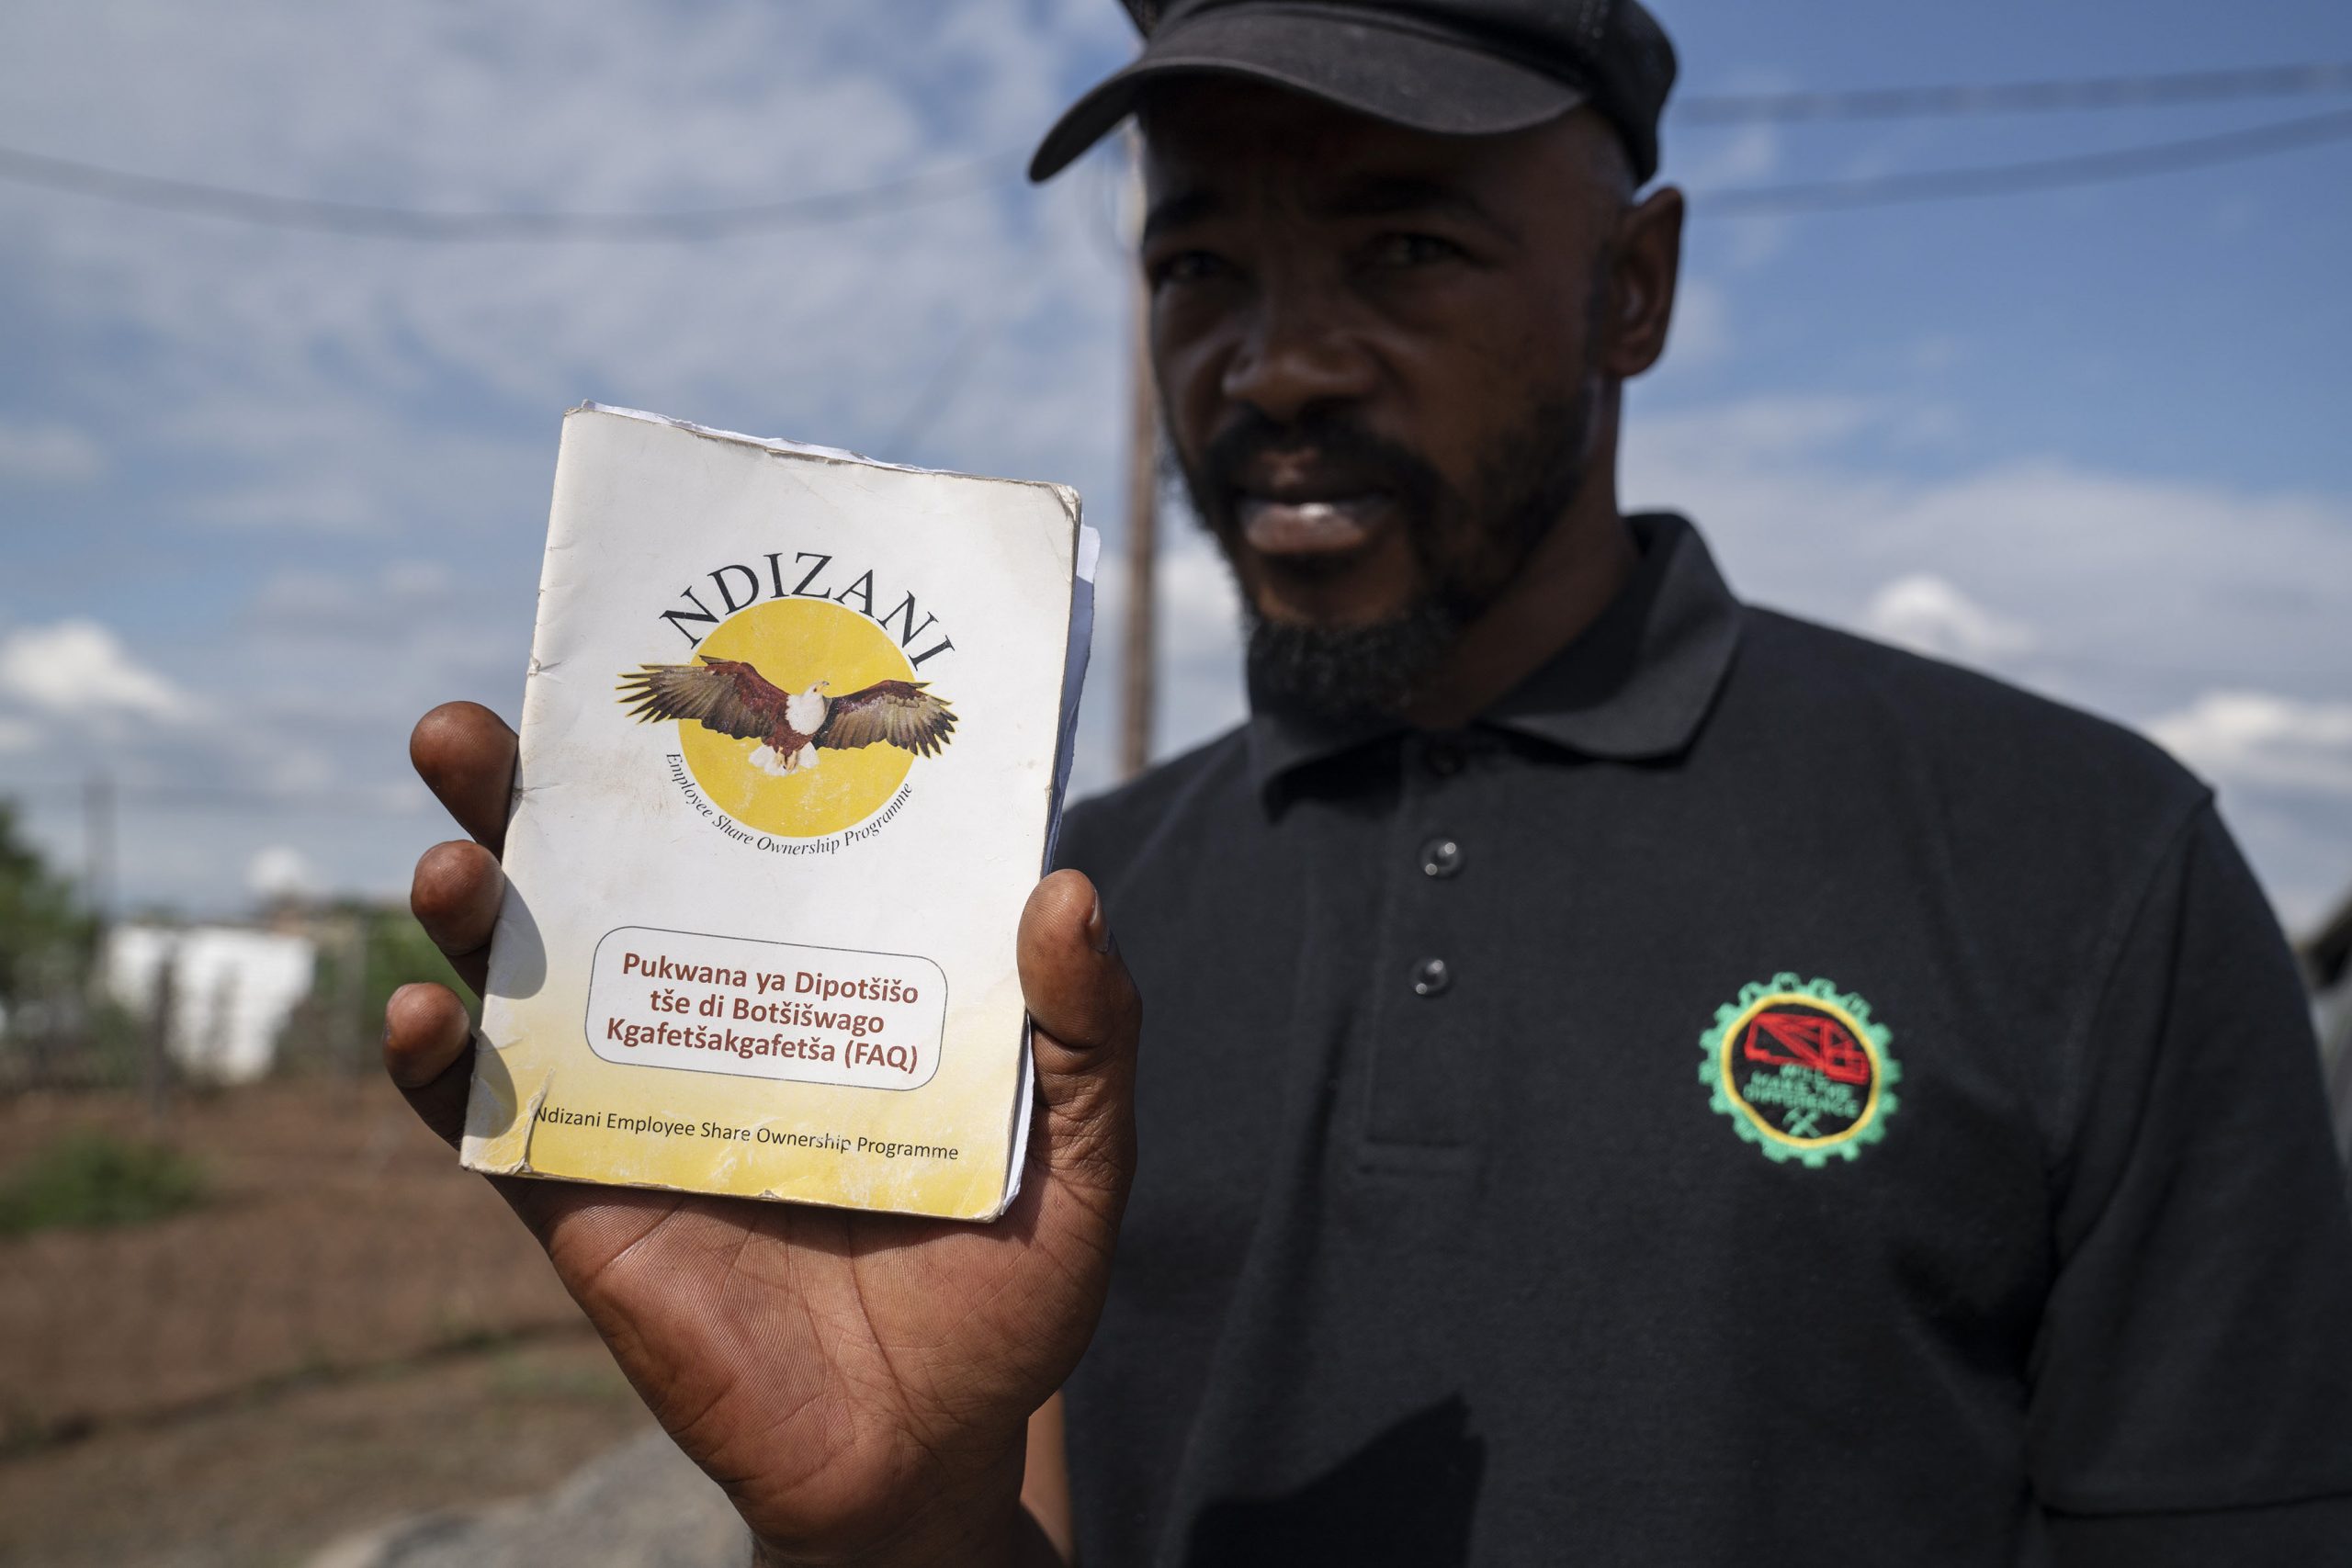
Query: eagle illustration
[(731, 697)]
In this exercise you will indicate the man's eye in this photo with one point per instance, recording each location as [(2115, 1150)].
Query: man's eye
[(1187, 267), (1412, 250)]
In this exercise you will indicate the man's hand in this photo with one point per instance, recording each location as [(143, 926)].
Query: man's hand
[(857, 1382)]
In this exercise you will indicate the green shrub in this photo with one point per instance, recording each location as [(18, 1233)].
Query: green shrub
[(89, 1180)]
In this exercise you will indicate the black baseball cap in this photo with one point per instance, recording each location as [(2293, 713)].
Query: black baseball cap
[(1455, 67)]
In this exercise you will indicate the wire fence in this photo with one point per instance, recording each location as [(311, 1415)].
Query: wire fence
[(206, 1187)]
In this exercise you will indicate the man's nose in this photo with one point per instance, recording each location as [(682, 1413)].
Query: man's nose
[(1296, 357)]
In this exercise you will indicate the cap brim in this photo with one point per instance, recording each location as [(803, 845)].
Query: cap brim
[(1408, 78)]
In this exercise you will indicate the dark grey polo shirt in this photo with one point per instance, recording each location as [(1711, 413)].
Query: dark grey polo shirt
[(1754, 1098)]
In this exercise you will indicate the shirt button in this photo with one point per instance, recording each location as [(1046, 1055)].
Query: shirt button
[(1441, 857), (1431, 976)]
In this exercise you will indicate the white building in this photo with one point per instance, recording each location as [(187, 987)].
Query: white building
[(231, 991)]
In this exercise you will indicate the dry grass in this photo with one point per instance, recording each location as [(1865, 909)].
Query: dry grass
[(334, 1232), (346, 1328), (266, 1483)]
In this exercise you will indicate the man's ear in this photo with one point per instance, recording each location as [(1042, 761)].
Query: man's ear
[(1645, 259)]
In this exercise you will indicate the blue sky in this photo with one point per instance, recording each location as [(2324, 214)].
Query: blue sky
[(265, 496)]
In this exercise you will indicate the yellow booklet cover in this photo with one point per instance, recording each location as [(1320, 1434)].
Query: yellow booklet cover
[(794, 743)]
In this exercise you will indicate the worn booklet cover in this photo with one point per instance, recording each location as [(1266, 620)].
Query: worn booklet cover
[(794, 743)]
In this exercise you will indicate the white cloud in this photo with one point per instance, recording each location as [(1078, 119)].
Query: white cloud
[(349, 441), (2258, 738), (2140, 592), (15, 735), (2133, 595), (415, 581), (292, 366), (1937, 351), (319, 504), (79, 667), (1721, 440), (394, 596), (49, 453), (376, 422), (1748, 155), (1701, 334), (280, 871), (1927, 614)]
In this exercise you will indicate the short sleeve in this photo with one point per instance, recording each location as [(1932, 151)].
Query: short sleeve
[(2191, 1384)]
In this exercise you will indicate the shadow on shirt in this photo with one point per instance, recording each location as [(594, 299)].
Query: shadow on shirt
[(1405, 1497)]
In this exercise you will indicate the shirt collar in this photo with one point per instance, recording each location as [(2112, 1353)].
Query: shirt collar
[(1635, 685)]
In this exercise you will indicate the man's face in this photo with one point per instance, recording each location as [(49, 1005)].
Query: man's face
[(1377, 350)]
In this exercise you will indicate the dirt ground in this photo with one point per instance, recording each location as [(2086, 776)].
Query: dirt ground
[(266, 1482), (348, 1328), (338, 1234)]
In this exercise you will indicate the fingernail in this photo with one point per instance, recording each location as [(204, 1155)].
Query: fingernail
[(1098, 930)]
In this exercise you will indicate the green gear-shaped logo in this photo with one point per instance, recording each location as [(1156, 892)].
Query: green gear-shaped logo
[(1802, 1069)]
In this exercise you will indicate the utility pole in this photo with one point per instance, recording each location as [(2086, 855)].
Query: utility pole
[(98, 847), (157, 1075), (350, 1028), (1137, 666), (1143, 528), (97, 893)]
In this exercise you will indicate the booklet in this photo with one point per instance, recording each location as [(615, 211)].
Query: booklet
[(794, 743)]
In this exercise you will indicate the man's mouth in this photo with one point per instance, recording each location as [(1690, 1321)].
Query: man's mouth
[(1302, 524)]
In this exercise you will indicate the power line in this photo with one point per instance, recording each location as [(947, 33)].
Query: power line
[(940, 387), (356, 800), (264, 211), (2036, 174), (2013, 97), (946, 182)]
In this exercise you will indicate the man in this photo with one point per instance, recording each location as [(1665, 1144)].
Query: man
[(1630, 1077)]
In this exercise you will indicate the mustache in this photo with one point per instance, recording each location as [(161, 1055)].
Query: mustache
[(1338, 445)]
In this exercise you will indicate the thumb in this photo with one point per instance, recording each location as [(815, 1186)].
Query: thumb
[(1086, 1016)]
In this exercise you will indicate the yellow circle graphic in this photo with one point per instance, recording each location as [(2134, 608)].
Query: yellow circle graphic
[(1860, 1034), (793, 643)]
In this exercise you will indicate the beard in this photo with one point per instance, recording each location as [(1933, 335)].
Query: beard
[(1519, 491)]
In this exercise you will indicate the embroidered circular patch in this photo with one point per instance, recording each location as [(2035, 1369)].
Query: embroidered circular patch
[(1802, 1069)]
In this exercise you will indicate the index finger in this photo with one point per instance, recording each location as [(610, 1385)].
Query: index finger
[(464, 754)]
